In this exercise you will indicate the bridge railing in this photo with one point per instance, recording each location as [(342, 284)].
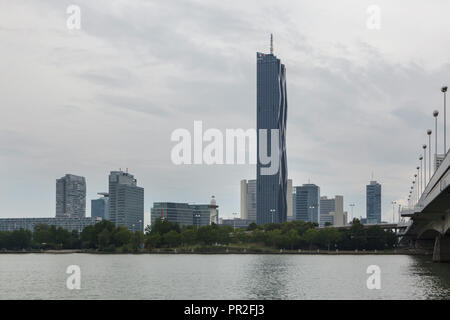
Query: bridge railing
[(437, 183)]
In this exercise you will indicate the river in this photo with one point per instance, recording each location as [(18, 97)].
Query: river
[(227, 276)]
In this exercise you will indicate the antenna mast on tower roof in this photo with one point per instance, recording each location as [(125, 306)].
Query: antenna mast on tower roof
[(271, 43)]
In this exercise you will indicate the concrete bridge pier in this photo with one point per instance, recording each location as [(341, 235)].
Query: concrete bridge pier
[(441, 251)]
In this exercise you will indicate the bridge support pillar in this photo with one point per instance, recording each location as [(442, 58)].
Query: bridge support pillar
[(441, 252)]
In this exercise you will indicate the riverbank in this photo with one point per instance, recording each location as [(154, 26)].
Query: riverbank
[(233, 250)]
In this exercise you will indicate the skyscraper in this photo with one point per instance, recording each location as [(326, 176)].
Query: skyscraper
[(326, 207), (100, 207), (126, 201), (373, 202), (71, 197), (289, 200), (332, 211), (248, 200), (271, 114), (307, 203)]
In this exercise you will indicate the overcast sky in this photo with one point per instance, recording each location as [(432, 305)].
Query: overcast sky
[(109, 95)]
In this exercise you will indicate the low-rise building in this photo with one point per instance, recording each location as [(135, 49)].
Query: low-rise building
[(237, 223), (70, 224), (184, 214)]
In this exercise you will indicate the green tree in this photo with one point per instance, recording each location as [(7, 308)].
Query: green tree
[(163, 226), (152, 240), (328, 236), (4, 239), (274, 238), (41, 235), (89, 237), (206, 235), (310, 237), (172, 239), (121, 236), (252, 226), (292, 239), (137, 239), (258, 236), (240, 236), (104, 239), (188, 236), (20, 239)]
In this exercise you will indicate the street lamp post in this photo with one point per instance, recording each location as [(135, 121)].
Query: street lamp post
[(393, 210), (429, 132), (424, 147), (435, 115), (272, 212), (444, 90), (421, 174), (312, 208), (411, 197), (352, 205)]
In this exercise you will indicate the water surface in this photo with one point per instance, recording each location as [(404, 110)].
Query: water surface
[(172, 276)]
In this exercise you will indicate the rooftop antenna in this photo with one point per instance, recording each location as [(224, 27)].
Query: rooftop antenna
[(372, 175), (271, 43)]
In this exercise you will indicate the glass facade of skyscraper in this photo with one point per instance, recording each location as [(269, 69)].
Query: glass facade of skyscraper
[(307, 203), (373, 202), (183, 214), (126, 201), (271, 114)]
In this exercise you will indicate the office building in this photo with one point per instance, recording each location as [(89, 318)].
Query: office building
[(271, 114), (236, 223), (327, 206), (100, 207), (307, 203), (126, 201), (289, 201), (183, 214), (71, 197), (373, 202), (248, 200), (70, 224), (332, 211)]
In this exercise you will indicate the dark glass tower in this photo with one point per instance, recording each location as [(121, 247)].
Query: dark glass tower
[(373, 202), (307, 203), (271, 103)]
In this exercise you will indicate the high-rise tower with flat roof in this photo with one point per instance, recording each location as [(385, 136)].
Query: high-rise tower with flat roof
[(373, 202), (307, 203), (71, 197), (126, 201)]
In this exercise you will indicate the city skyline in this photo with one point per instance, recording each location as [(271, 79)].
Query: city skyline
[(367, 122)]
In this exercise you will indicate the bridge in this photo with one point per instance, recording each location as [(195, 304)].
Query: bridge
[(429, 212), (399, 228)]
